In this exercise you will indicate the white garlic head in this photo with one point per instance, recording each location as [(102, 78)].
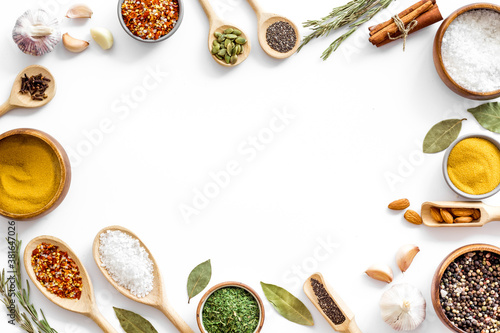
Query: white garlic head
[(36, 32), (403, 307)]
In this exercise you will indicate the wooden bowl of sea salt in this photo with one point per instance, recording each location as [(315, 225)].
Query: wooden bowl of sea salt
[(467, 51)]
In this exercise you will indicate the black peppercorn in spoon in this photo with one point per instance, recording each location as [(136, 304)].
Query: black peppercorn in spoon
[(265, 21)]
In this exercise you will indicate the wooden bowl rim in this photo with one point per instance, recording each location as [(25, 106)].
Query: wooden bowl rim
[(438, 42), (224, 285), (64, 165), (436, 281)]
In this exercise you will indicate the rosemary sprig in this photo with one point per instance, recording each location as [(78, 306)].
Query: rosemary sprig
[(353, 13), (23, 296)]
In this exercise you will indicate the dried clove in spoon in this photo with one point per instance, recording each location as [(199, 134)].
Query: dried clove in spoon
[(35, 85)]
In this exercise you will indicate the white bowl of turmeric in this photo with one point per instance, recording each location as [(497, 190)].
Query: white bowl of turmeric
[(35, 174), (471, 166)]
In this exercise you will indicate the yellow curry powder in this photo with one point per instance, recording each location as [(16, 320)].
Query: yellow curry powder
[(30, 174), (474, 166)]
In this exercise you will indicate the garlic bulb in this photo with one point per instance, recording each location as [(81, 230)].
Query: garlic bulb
[(36, 33), (403, 307)]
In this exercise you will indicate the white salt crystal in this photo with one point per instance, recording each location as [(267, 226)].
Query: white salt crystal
[(471, 50), (126, 262)]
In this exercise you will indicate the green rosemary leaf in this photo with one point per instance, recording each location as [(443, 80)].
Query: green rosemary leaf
[(198, 279), (441, 135), (488, 116), (133, 323)]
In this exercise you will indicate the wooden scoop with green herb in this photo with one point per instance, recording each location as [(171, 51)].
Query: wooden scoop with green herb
[(330, 305)]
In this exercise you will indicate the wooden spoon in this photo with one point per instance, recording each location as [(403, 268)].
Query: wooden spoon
[(156, 298), (264, 21), (86, 304), (18, 100), (349, 325), (488, 213), (218, 25)]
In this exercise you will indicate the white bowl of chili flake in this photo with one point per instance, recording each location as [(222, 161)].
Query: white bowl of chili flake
[(150, 21)]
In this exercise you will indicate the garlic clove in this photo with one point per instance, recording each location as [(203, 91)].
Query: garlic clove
[(73, 44), (403, 307), (102, 37), (79, 11), (380, 272), (405, 255)]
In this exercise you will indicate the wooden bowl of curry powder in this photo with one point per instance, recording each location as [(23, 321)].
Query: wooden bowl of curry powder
[(35, 174)]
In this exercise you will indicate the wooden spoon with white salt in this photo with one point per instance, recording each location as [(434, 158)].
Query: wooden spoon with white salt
[(156, 298)]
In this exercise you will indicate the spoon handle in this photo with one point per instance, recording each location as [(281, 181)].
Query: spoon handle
[(256, 8), (5, 107), (353, 327), (174, 318), (493, 212), (209, 11), (99, 319)]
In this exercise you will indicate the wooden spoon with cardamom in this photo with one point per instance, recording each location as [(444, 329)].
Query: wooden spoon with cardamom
[(86, 305), (156, 298), (18, 100), (346, 323), (487, 213)]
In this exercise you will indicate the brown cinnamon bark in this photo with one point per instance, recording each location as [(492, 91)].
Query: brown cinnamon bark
[(383, 34), (374, 29), (426, 19)]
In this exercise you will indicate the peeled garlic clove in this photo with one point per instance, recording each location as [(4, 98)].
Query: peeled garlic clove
[(102, 37), (73, 44), (405, 255), (403, 307), (380, 272), (79, 11)]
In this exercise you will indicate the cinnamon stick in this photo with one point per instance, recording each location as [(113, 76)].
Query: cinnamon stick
[(381, 35), (375, 28), (426, 19)]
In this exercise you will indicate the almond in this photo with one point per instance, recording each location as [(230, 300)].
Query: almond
[(436, 215), (463, 219), (447, 217), (462, 211), (413, 217), (476, 215), (399, 204)]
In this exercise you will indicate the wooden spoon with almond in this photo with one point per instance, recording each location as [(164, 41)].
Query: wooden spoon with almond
[(86, 305), (487, 213)]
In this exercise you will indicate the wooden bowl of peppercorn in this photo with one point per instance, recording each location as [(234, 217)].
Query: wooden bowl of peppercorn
[(465, 287)]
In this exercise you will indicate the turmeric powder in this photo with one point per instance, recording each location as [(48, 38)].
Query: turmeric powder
[(474, 166), (30, 174)]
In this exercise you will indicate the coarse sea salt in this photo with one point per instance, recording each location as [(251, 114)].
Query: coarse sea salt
[(471, 50), (127, 262)]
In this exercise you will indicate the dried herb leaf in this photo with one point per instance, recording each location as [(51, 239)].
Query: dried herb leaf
[(441, 135), (133, 323), (488, 116), (287, 305), (198, 279)]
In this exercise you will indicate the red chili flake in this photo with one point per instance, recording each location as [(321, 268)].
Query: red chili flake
[(150, 19), (56, 271)]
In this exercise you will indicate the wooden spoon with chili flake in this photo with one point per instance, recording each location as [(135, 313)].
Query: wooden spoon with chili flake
[(19, 100), (218, 25), (264, 21), (156, 298), (86, 305), (348, 325), (488, 213)]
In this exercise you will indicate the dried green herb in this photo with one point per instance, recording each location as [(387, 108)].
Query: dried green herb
[(23, 297), (198, 279), (231, 310), (488, 116), (353, 13), (131, 322), (441, 135), (287, 305)]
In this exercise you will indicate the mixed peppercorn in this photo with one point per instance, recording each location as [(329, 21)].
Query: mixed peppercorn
[(56, 271), (150, 19), (469, 292)]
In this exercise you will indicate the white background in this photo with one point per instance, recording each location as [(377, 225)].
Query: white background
[(314, 198)]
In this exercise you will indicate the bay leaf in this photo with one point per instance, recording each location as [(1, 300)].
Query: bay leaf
[(488, 116), (287, 305), (441, 135), (133, 323), (198, 279)]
